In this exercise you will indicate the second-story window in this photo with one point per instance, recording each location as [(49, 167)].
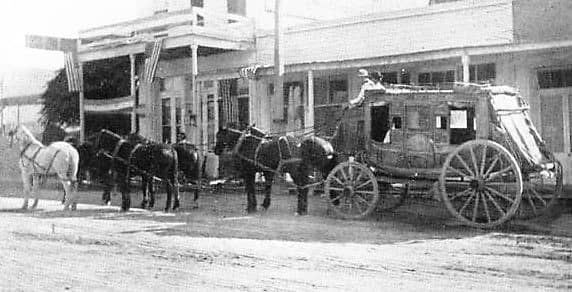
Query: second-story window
[(197, 3), (436, 78), (482, 73), (236, 7), (555, 78)]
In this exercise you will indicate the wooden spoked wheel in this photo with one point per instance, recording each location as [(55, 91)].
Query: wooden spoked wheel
[(541, 191), (481, 184), (351, 190)]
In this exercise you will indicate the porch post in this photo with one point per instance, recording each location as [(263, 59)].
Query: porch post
[(196, 134), (278, 61), (466, 60), (81, 105), (133, 95), (309, 122)]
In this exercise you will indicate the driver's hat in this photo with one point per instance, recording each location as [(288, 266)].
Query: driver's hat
[(363, 73)]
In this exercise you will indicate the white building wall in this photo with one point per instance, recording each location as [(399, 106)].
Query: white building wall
[(428, 29)]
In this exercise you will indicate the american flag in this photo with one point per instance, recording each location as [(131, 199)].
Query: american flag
[(152, 50), (72, 72)]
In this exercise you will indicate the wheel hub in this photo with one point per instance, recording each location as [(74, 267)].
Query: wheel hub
[(478, 184), (348, 191)]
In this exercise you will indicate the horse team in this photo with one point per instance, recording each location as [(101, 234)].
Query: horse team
[(114, 160)]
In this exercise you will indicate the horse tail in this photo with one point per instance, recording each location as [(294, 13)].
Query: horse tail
[(175, 166), (73, 165)]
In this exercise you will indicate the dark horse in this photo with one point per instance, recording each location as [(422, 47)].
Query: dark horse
[(148, 160), (254, 152), (189, 164)]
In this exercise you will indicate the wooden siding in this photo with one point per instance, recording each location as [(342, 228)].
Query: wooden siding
[(467, 24), (542, 20)]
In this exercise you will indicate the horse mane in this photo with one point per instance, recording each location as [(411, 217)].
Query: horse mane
[(30, 136)]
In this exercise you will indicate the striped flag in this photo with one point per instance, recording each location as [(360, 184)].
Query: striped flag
[(152, 50), (72, 72)]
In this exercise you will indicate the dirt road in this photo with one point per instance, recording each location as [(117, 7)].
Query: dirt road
[(99, 248)]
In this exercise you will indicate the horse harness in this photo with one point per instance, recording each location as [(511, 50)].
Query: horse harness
[(114, 157), (285, 154), (32, 159)]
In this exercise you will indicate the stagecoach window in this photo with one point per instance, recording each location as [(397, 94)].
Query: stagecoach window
[(380, 122), (389, 77), (462, 125), (440, 122), (396, 123)]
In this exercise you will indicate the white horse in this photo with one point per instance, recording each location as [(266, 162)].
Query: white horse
[(38, 161)]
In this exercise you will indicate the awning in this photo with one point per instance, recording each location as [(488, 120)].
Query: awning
[(121, 104)]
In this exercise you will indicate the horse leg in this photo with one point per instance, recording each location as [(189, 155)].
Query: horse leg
[(174, 185), (107, 187), (269, 178), (36, 181), (169, 189), (250, 192), (144, 189), (27, 180), (71, 198), (125, 195), (197, 193), (175, 191), (301, 180), (151, 193)]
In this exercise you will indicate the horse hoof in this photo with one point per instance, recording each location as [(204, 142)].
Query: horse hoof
[(298, 214), (74, 207), (251, 210)]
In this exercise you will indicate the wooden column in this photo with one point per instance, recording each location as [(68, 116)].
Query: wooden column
[(81, 105), (309, 116), (173, 120), (278, 61), (566, 123), (133, 93), (466, 60), (196, 134)]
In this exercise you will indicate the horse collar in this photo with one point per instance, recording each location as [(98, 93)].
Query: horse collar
[(239, 143), (26, 148), (117, 147)]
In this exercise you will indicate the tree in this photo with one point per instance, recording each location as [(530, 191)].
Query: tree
[(102, 80), (60, 105)]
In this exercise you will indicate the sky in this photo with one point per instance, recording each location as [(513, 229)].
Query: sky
[(64, 18), (59, 18)]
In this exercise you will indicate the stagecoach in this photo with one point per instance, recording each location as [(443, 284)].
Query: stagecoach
[(473, 147)]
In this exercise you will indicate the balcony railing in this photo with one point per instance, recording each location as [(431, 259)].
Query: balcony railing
[(172, 24)]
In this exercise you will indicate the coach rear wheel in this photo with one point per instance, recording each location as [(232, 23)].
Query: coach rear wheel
[(481, 184), (351, 190)]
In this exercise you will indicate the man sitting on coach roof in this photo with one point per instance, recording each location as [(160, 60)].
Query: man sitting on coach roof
[(370, 81)]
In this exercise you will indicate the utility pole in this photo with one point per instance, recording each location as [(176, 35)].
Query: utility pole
[(278, 61)]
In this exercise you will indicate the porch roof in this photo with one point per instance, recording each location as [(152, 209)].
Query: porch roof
[(178, 29)]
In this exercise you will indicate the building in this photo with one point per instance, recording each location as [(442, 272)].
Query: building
[(217, 61)]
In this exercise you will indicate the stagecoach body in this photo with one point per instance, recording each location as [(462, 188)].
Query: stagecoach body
[(474, 147)]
